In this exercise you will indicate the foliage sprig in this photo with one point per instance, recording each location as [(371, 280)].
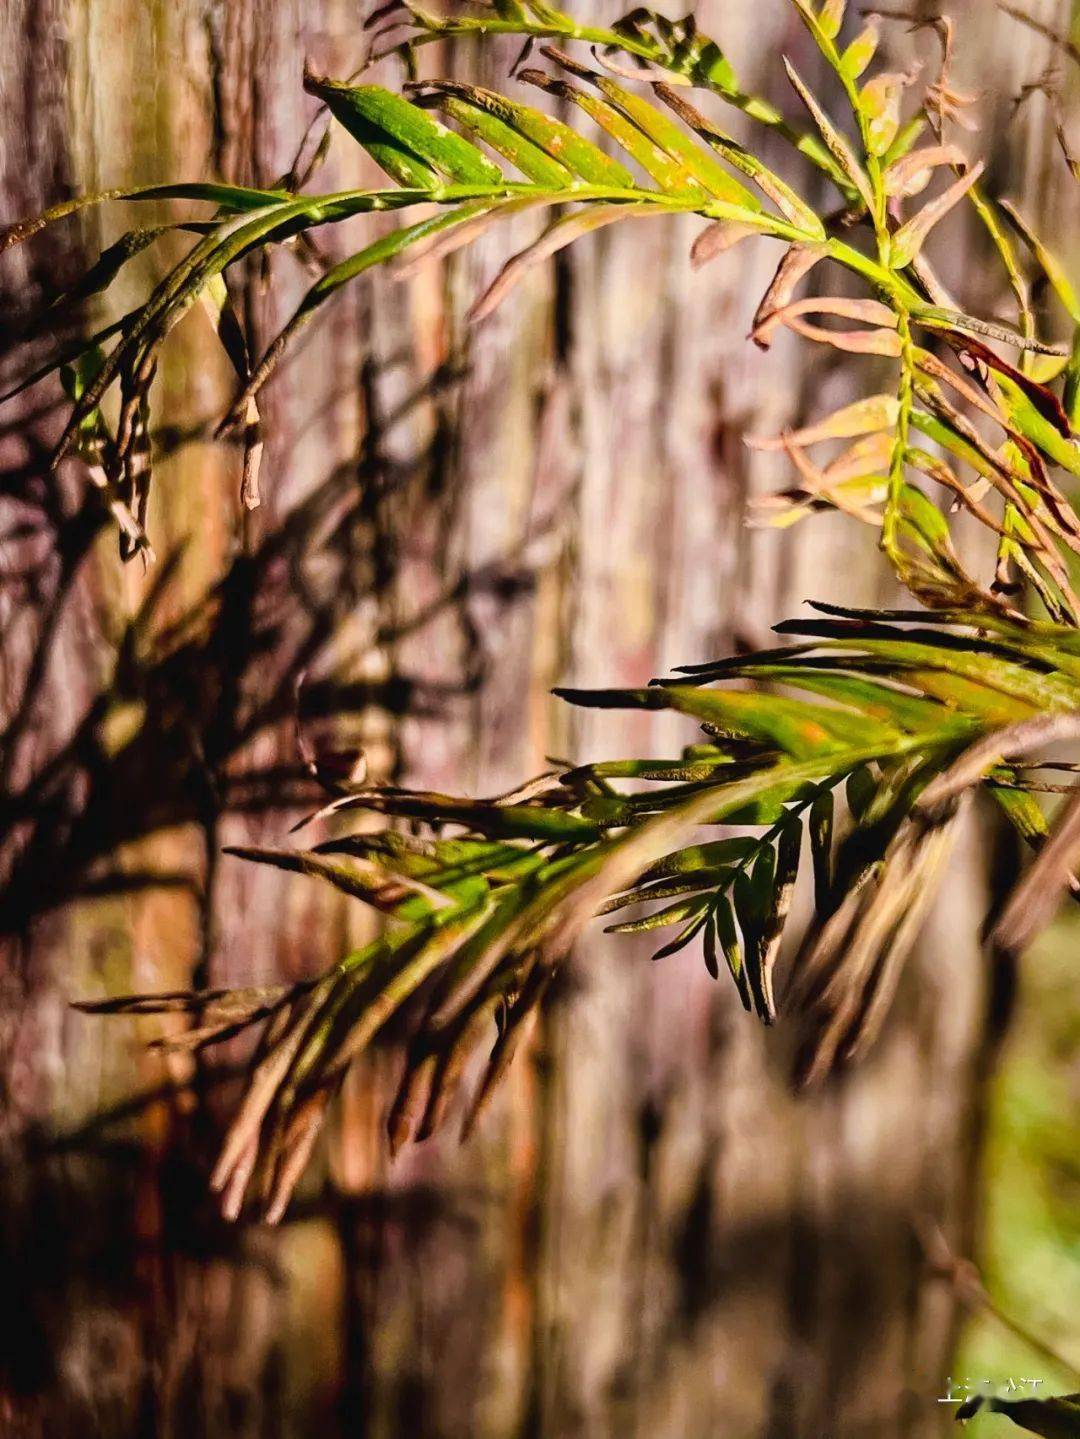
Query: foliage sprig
[(858, 743)]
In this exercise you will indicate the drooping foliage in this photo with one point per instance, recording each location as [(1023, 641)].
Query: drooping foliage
[(848, 752)]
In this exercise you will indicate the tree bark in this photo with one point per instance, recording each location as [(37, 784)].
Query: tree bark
[(649, 1234)]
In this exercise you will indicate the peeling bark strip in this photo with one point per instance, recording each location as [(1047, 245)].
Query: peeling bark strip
[(647, 1234)]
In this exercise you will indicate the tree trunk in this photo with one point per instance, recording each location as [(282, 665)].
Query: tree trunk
[(648, 1234)]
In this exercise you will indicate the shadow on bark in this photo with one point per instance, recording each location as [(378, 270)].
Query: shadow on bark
[(126, 1295), (171, 736)]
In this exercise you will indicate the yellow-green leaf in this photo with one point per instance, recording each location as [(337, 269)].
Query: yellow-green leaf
[(910, 238)]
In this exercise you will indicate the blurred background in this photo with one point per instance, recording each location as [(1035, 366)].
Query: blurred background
[(648, 1235)]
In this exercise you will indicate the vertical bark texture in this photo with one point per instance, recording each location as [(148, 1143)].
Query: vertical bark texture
[(648, 1236)]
